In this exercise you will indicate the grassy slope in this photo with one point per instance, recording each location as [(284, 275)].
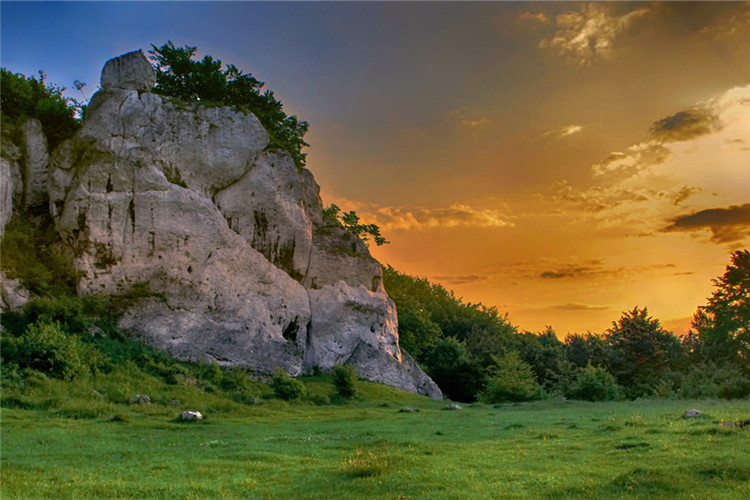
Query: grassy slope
[(366, 448)]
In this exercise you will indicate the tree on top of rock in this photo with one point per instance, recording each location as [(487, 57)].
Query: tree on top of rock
[(180, 76)]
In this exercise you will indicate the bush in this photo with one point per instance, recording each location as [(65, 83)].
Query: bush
[(594, 383), (344, 379), (709, 380), (285, 387), (512, 380), (45, 347)]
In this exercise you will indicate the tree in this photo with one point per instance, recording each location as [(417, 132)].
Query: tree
[(345, 380), (642, 354), (180, 76), (28, 97), (512, 380), (453, 371), (351, 222), (722, 327)]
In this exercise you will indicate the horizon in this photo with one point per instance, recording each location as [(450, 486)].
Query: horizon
[(563, 162)]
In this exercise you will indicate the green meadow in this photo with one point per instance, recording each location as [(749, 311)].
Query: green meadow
[(81, 444)]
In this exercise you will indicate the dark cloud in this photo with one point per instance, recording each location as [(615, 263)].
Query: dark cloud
[(726, 224), (686, 125), (579, 307), (566, 273)]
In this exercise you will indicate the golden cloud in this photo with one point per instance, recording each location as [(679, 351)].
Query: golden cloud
[(589, 35), (418, 218)]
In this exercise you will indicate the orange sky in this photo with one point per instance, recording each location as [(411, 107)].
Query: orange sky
[(618, 175), (562, 161)]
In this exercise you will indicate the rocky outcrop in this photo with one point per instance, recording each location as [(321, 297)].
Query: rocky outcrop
[(35, 164), (188, 201)]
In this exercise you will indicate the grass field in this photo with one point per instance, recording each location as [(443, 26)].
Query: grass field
[(368, 448)]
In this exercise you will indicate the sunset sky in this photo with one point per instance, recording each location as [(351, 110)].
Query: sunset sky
[(562, 161)]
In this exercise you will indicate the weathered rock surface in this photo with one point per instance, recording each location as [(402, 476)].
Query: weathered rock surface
[(14, 296), (227, 233), (35, 164), (129, 71)]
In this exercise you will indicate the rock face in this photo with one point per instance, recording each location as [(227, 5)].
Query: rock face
[(228, 234)]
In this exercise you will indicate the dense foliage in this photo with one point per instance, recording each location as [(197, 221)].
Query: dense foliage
[(472, 352), (29, 97), (182, 77)]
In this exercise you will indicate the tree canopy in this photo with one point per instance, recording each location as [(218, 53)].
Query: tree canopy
[(25, 97), (181, 76)]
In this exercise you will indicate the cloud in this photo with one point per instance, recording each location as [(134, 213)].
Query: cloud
[(564, 132), (595, 199), (631, 161), (727, 225), (407, 218), (729, 25), (539, 17), (578, 307), (684, 193), (463, 279), (686, 125), (589, 34)]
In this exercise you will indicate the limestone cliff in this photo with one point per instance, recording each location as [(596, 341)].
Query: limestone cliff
[(190, 199)]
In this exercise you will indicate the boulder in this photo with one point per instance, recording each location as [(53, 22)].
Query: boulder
[(129, 71), (140, 399), (693, 413), (191, 415)]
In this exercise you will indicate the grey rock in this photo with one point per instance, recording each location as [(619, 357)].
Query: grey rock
[(191, 415), (6, 193), (14, 295), (453, 407), (693, 413), (408, 409), (226, 236), (35, 164), (140, 399), (129, 71)]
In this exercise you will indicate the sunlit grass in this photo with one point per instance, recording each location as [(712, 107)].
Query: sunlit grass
[(368, 449)]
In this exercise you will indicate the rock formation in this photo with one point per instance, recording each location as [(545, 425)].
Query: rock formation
[(227, 232)]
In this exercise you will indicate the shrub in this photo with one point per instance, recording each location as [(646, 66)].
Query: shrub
[(512, 380), (285, 387), (594, 383), (45, 347), (344, 379)]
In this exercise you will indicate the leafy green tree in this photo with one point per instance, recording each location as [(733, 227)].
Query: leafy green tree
[(582, 350), (182, 77), (642, 354), (511, 380), (449, 365), (28, 97), (351, 222), (722, 327), (546, 355)]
